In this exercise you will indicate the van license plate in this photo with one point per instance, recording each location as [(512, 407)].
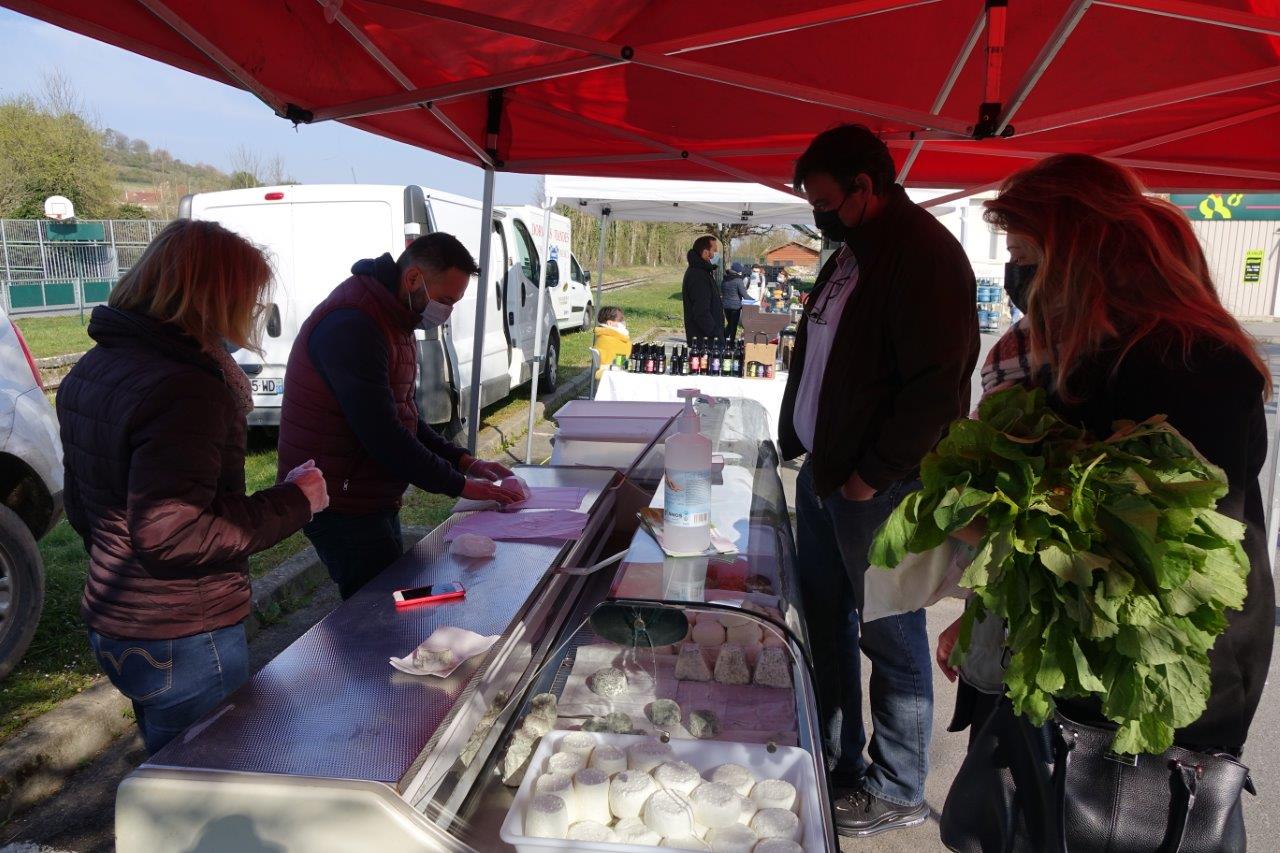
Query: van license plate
[(267, 386)]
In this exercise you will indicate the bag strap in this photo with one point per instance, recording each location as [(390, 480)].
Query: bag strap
[(1063, 746), (1184, 799)]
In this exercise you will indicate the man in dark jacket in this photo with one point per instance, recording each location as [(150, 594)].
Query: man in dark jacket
[(703, 307), (881, 366), (349, 405), (733, 290)]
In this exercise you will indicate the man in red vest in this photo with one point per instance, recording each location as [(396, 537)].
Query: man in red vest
[(349, 405)]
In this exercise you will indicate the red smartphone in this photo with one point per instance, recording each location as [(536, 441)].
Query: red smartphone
[(428, 594)]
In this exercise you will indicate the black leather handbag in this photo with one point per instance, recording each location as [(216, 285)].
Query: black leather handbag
[(1058, 789)]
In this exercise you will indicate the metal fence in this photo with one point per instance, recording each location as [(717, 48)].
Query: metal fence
[(51, 267)]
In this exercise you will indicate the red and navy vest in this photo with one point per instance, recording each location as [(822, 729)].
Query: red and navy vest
[(312, 425)]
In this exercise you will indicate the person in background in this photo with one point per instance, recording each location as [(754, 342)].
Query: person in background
[(350, 406), (1134, 328), (612, 337), (732, 291), (880, 368), (153, 422), (755, 284), (703, 307)]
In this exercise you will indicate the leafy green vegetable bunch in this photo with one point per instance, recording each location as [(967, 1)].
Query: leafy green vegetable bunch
[(1106, 559)]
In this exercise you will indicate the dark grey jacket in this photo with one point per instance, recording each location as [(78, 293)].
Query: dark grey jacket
[(733, 290)]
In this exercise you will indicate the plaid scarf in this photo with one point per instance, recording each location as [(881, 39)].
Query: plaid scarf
[(1010, 362)]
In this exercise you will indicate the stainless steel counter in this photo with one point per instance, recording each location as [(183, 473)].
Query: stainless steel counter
[(331, 706)]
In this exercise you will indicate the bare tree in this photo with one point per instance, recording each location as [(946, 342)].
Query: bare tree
[(275, 172), (247, 169), (58, 95)]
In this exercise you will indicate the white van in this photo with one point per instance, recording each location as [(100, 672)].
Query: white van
[(314, 233), (569, 286)]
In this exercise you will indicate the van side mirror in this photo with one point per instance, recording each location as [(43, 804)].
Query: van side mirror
[(273, 321), (586, 275)]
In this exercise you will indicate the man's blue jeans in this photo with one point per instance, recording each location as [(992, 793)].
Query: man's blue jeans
[(833, 537), (173, 683), (355, 548)]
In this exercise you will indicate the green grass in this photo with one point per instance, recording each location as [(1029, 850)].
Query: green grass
[(621, 273), (48, 336), (59, 665)]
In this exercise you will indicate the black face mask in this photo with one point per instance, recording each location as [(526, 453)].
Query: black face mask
[(1017, 278), (829, 225)]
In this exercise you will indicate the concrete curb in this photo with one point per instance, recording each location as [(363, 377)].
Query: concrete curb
[(39, 758)]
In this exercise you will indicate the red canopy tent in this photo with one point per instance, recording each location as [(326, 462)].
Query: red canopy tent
[(966, 91), (1187, 92)]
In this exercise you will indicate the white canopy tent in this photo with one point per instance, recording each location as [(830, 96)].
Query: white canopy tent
[(639, 199), (645, 200)]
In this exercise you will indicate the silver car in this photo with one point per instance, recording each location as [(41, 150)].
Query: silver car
[(30, 491)]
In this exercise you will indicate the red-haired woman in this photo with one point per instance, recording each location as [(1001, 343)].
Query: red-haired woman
[(153, 428), (1124, 313)]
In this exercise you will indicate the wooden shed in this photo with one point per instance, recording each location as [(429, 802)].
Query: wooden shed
[(794, 254)]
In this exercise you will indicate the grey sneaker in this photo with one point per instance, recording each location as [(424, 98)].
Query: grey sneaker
[(860, 813)]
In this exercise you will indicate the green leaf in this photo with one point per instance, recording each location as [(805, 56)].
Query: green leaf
[(1107, 559), (1073, 567)]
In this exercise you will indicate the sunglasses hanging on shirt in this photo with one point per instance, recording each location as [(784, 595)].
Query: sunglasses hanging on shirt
[(829, 292)]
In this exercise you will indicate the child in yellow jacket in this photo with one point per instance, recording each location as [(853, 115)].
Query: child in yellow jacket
[(612, 338)]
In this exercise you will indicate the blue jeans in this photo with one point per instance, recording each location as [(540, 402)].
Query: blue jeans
[(833, 537), (173, 683), (355, 548)]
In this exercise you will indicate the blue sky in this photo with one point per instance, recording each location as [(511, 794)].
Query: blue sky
[(198, 120)]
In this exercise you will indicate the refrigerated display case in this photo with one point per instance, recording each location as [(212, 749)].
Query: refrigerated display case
[(329, 748)]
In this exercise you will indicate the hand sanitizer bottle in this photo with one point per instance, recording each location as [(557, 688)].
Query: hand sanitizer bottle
[(686, 513)]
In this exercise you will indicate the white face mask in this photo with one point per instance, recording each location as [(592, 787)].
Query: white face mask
[(435, 314), (621, 327)]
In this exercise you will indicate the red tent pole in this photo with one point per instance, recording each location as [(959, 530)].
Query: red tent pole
[(1151, 100), (645, 140), (1047, 54), (229, 66), (384, 61), (1201, 14), (966, 50), (702, 70)]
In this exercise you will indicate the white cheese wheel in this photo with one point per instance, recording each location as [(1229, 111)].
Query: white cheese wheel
[(546, 817), (669, 813), (629, 791), (774, 794), (591, 795), (776, 823), (715, 805)]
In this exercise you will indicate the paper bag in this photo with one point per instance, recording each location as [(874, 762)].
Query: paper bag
[(759, 349)]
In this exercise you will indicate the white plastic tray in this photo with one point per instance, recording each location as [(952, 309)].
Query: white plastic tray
[(787, 762)]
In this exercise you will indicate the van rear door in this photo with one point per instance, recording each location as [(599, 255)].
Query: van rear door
[(270, 227), (312, 236)]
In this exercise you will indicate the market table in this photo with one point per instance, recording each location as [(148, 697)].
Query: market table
[(620, 385), (329, 749)]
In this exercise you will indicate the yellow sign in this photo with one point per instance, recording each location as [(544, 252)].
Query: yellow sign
[(1214, 206), (1253, 266)]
